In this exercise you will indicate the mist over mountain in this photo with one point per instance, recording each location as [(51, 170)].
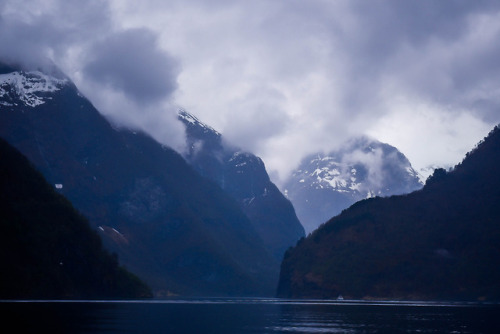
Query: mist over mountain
[(175, 229), (244, 177), (325, 184), (440, 242)]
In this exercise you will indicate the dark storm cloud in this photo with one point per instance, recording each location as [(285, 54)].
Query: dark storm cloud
[(131, 61), (35, 33)]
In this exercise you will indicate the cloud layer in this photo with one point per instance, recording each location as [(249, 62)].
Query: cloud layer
[(280, 78), (124, 72)]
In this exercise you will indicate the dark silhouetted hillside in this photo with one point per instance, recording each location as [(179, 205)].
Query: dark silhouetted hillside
[(179, 232), (442, 242), (47, 249), (244, 177)]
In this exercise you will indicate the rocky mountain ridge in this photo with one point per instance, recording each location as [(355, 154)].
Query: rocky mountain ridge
[(176, 230), (244, 177)]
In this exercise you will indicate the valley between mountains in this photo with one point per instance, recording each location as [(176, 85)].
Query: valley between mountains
[(209, 221)]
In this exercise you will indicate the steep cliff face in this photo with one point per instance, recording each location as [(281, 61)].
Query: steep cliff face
[(175, 229), (441, 242), (244, 177)]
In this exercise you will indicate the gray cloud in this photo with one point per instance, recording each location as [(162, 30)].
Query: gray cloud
[(281, 78), (258, 117), (342, 68), (132, 62), (124, 72), (427, 47), (34, 33)]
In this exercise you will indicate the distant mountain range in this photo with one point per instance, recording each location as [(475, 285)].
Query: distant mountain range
[(440, 242), (325, 184), (177, 230)]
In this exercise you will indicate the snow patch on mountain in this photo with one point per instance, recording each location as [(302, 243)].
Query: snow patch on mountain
[(29, 88), (339, 176), (184, 115), (326, 183)]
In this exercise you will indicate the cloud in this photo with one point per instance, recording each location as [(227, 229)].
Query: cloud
[(283, 79), (132, 62), (428, 134), (124, 72), (132, 81), (372, 161), (257, 117), (341, 69), (34, 32)]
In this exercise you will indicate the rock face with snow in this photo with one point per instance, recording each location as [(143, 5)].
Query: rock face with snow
[(31, 88), (325, 184), (178, 231), (244, 177)]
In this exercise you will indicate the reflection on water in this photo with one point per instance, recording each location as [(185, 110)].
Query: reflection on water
[(248, 316)]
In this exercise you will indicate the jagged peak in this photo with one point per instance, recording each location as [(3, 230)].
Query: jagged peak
[(189, 118)]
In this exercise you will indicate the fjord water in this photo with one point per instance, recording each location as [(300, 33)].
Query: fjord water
[(248, 316)]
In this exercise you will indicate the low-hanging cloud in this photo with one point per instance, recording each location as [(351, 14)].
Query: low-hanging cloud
[(133, 82), (124, 72), (132, 62), (372, 161), (343, 68)]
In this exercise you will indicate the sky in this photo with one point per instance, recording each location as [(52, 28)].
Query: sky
[(279, 78)]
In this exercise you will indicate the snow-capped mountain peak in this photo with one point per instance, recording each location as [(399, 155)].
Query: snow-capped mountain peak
[(190, 118), (325, 184), (29, 88)]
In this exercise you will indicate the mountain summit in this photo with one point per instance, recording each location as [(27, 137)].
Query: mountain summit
[(325, 184), (437, 243), (179, 232), (244, 177)]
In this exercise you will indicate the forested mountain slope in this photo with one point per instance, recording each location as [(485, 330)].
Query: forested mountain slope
[(47, 249), (442, 242), (176, 230)]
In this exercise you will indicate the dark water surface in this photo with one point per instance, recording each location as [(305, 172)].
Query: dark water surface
[(247, 316)]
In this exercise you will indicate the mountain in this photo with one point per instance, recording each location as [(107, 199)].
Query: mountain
[(441, 242), (47, 249), (325, 184), (178, 231), (244, 177)]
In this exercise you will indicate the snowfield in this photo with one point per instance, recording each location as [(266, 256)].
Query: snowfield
[(28, 87)]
